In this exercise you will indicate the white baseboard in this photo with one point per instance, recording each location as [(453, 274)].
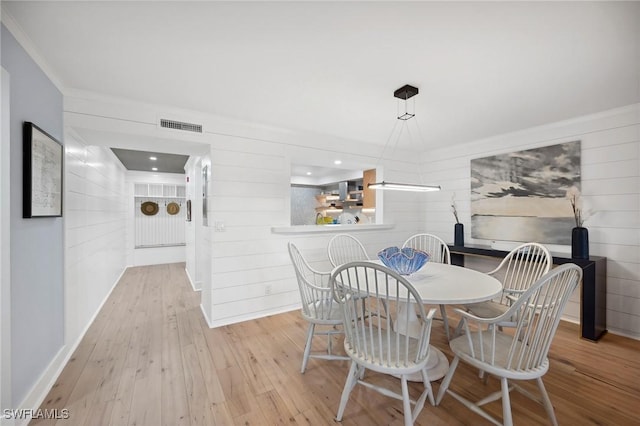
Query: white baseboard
[(251, 316), (195, 285), (206, 317), (36, 395), (43, 385), (158, 255), (623, 333), (609, 330), (570, 319)]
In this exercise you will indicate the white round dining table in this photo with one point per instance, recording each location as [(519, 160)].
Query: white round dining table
[(443, 284)]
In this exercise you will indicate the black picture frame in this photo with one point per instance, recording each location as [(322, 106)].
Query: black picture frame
[(43, 159)]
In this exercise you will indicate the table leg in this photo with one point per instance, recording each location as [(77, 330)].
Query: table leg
[(437, 363)]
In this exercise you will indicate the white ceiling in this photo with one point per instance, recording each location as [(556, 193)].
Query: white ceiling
[(304, 174), (331, 67)]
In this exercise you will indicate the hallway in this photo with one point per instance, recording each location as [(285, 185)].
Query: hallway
[(145, 358)]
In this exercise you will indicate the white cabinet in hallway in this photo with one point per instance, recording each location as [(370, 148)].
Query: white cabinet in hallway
[(160, 214)]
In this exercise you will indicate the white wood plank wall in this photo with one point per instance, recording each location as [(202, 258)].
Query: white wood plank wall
[(252, 275), (204, 236), (193, 194), (610, 186), (154, 187), (161, 229), (95, 208)]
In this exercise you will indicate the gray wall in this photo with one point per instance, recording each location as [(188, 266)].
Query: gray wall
[(303, 205), (37, 296)]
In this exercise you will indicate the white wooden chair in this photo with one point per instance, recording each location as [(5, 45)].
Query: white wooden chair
[(345, 248), (517, 271), (318, 306), (390, 338), (432, 244), (439, 252), (521, 353)]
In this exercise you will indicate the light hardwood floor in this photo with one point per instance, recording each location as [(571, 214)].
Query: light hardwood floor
[(150, 359)]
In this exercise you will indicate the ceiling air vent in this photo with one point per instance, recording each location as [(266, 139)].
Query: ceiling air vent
[(180, 125)]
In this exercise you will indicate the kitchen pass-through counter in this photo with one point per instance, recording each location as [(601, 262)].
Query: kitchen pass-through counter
[(329, 228)]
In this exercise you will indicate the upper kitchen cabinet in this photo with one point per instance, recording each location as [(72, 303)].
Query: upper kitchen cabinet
[(368, 195)]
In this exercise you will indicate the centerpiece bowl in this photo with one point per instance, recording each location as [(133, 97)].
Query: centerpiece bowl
[(404, 261)]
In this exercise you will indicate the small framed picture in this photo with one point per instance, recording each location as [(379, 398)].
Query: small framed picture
[(188, 210), (43, 156)]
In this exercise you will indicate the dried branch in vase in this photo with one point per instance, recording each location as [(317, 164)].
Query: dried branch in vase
[(579, 213), (454, 210)]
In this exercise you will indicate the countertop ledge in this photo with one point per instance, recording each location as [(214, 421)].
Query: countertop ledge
[(313, 229)]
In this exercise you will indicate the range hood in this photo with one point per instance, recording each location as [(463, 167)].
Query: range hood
[(347, 192), (343, 190)]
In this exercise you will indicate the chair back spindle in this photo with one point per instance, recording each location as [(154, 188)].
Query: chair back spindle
[(438, 250), (522, 267), (439, 253), (345, 248), (517, 271)]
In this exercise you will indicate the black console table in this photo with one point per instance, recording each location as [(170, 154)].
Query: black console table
[(593, 294)]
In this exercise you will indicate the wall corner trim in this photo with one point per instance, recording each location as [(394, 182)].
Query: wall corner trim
[(206, 317), (195, 285)]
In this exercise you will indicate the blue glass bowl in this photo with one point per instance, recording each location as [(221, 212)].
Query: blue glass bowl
[(404, 261)]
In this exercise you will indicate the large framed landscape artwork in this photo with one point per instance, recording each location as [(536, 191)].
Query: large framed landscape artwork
[(521, 196)]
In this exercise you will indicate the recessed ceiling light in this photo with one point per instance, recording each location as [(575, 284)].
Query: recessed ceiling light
[(337, 162), (155, 169), (308, 173), (153, 158)]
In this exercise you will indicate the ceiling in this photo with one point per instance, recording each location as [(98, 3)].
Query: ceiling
[(331, 67), (146, 161), (304, 174)]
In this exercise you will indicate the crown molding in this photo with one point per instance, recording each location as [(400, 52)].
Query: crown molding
[(27, 44)]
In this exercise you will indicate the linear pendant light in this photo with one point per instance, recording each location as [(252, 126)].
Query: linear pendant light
[(403, 186), (405, 92)]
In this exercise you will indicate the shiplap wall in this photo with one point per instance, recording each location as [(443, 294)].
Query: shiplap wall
[(251, 272), (204, 241), (95, 227), (610, 188), (192, 193), (150, 255), (249, 194), (162, 228)]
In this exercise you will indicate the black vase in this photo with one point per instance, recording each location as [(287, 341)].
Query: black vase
[(580, 243), (458, 234)]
